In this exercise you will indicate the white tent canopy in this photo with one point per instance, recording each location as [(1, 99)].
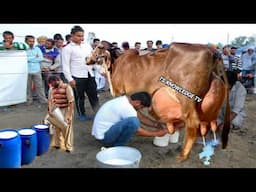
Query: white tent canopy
[(13, 77)]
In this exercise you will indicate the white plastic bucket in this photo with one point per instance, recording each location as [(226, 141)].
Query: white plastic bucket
[(118, 157), (174, 138), (161, 141)]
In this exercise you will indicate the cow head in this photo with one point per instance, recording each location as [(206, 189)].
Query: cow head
[(99, 55)]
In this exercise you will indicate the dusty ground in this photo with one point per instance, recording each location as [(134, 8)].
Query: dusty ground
[(240, 153)]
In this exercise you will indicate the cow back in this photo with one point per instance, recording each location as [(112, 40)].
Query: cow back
[(133, 72)]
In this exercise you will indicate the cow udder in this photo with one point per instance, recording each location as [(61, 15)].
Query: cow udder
[(166, 107)]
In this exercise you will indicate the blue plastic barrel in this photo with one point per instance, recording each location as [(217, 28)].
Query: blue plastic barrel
[(10, 149), (28, 145), (43, 138)]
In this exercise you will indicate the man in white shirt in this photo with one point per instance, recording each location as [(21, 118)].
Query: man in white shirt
[(79, 75), (117, 120)]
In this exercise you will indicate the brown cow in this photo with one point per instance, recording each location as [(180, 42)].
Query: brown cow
[(195, 69)]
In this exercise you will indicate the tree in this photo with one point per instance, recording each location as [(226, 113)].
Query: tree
[(243, 41), (220, 45), (251, 40)]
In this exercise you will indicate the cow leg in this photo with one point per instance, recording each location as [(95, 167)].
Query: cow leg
[(110, 84), (117, 88), (192, 124), (203, 130), (214, 129)]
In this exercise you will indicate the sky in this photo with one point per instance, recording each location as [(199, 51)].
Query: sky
[(191, 33)]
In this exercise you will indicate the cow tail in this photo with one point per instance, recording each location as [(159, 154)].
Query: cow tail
[(226, 125)]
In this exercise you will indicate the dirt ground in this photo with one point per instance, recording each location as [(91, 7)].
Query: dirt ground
[(240, 153)]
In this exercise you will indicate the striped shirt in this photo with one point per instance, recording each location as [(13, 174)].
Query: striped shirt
[(236, 64), (16, 46)]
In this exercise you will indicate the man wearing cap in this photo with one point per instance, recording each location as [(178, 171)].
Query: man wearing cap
[(228, 59), (236, 61), (248, 67)]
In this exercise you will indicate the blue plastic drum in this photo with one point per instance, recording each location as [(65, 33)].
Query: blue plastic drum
[(43, 138), (10, 149), (28, 145)]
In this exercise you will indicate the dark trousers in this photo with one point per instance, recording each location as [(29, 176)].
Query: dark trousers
[(45, 76), (88, 86)]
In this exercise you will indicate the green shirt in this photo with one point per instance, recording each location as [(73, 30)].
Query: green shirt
[(16, 46)]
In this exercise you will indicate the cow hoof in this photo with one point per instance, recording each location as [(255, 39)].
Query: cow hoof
[(180, 158)]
